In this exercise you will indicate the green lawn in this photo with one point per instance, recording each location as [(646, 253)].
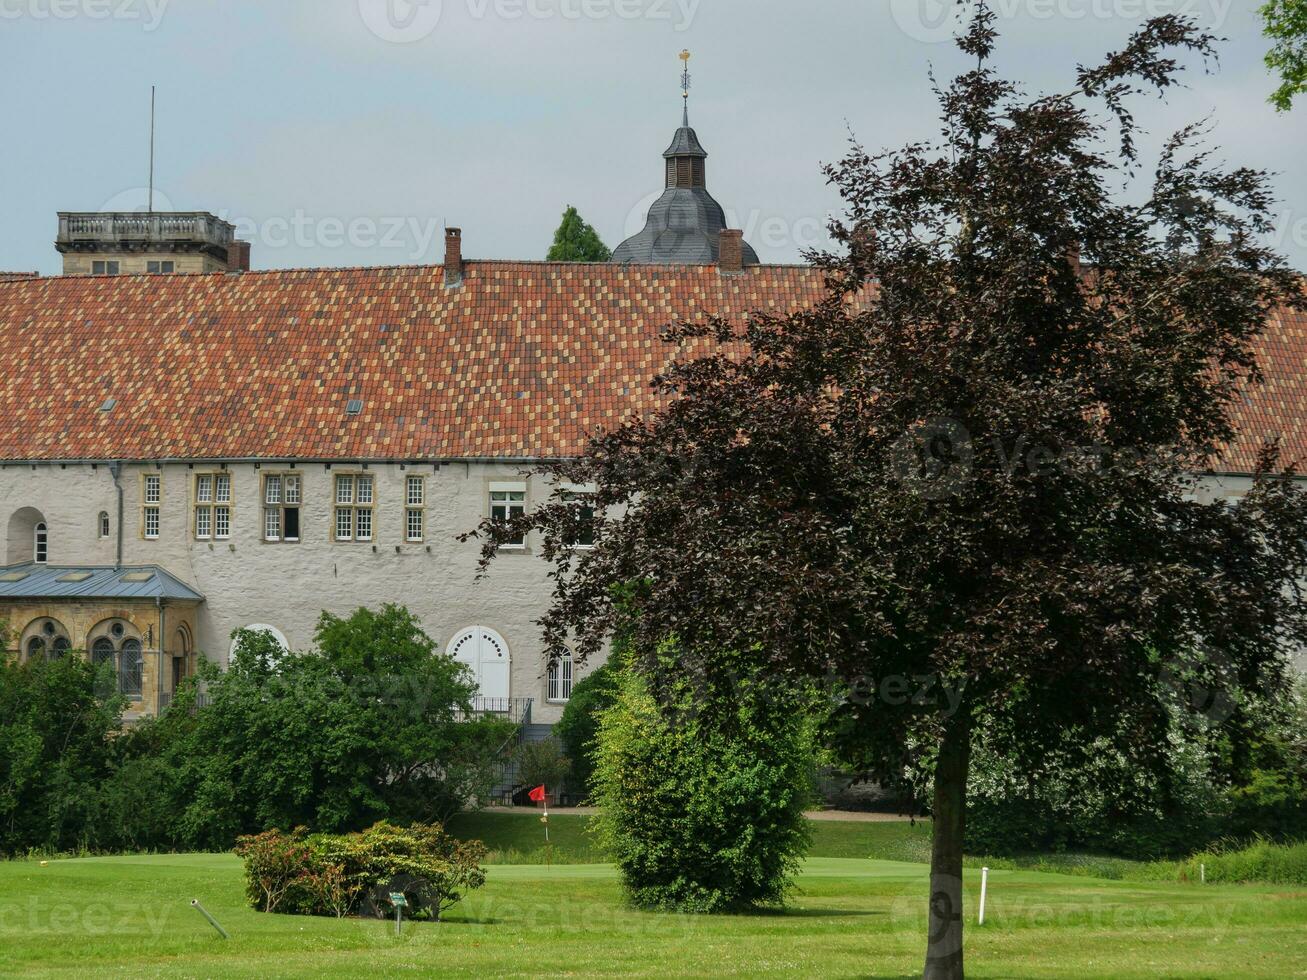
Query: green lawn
[(852, 917), (519, 838)]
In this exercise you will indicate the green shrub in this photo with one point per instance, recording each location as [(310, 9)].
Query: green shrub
[(542, 763), (355, 874), (578, 729), (1262, 861), (1239, 779), (702, 805), (367, 726), (55, 754)]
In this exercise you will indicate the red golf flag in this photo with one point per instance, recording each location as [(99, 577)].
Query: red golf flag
[(537, 795)]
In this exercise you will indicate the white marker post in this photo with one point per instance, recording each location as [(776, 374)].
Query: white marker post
[(984, 886), (1202, 873)]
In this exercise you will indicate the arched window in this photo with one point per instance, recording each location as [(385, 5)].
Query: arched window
[(41, 545), (131, 668), (103, 524), (120, 647), (45, 639), (560, 679), (102, 651)]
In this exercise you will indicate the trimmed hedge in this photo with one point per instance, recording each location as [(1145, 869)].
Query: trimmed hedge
[(702, 805), (355, 874)]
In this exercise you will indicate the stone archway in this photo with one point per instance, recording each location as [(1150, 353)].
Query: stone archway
[(20, 538)]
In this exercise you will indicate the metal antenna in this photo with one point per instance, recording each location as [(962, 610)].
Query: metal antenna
[(685, 88), (151, 201)]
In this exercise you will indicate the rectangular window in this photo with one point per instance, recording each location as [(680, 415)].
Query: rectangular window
[(222, 512), (212, 519), (505, 504), (151, 498), (560, 681), (354, 523), (582, 503), (155, 268), (282, 495), (415, 515), (104, 268)]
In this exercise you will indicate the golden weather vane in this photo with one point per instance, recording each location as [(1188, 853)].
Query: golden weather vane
[(685, 85)]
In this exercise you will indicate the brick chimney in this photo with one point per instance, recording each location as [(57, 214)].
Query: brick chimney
[(1073, 257), (730, 252), (238, 257), (453, 256)]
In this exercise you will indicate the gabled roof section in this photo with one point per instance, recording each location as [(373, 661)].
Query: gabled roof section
[(143, 582), (524, 360)]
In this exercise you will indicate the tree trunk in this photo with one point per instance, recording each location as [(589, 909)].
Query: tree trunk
[(944, 944)]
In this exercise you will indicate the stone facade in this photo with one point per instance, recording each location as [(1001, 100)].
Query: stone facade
[(249, 581), (82, 263)]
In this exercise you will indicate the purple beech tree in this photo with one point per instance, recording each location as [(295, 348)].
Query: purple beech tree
[(967, 476)]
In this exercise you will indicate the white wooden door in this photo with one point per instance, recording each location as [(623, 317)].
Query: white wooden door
[(486, 654)]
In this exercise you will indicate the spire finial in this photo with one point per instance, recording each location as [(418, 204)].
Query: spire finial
[(685, 87)]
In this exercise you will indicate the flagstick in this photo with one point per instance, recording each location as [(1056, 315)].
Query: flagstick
[(546, 817)]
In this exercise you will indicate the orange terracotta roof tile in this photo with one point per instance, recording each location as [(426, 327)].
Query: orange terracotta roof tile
[(523, 360)]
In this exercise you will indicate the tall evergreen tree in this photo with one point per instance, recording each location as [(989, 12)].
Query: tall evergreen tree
[(577, 241)]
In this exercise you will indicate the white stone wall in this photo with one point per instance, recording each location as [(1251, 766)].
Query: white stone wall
[(246, 580)]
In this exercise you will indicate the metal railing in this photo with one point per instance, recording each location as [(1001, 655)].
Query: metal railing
[(516, 710)]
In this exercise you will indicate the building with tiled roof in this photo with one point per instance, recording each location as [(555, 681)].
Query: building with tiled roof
[(187, 455)]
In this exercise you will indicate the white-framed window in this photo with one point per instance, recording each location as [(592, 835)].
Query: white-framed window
[(103, 524), (415, 510), (212, 505), (355, 498), (41, 545), (151, 499), (560, 680), (283, 493), (508, 500)]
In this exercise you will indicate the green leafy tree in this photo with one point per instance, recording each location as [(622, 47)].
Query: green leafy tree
[(55, 751), (579, 727), (1286, 24), (968, 499), (371, 724), (701, 799), (577, 241)]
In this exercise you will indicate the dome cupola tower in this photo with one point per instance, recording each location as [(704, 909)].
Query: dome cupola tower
[(685, 224)]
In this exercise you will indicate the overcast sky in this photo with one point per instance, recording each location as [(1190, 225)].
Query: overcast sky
[(348, 132)]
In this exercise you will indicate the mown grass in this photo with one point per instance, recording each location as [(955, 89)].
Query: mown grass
[(518, 838), (130, 916)]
